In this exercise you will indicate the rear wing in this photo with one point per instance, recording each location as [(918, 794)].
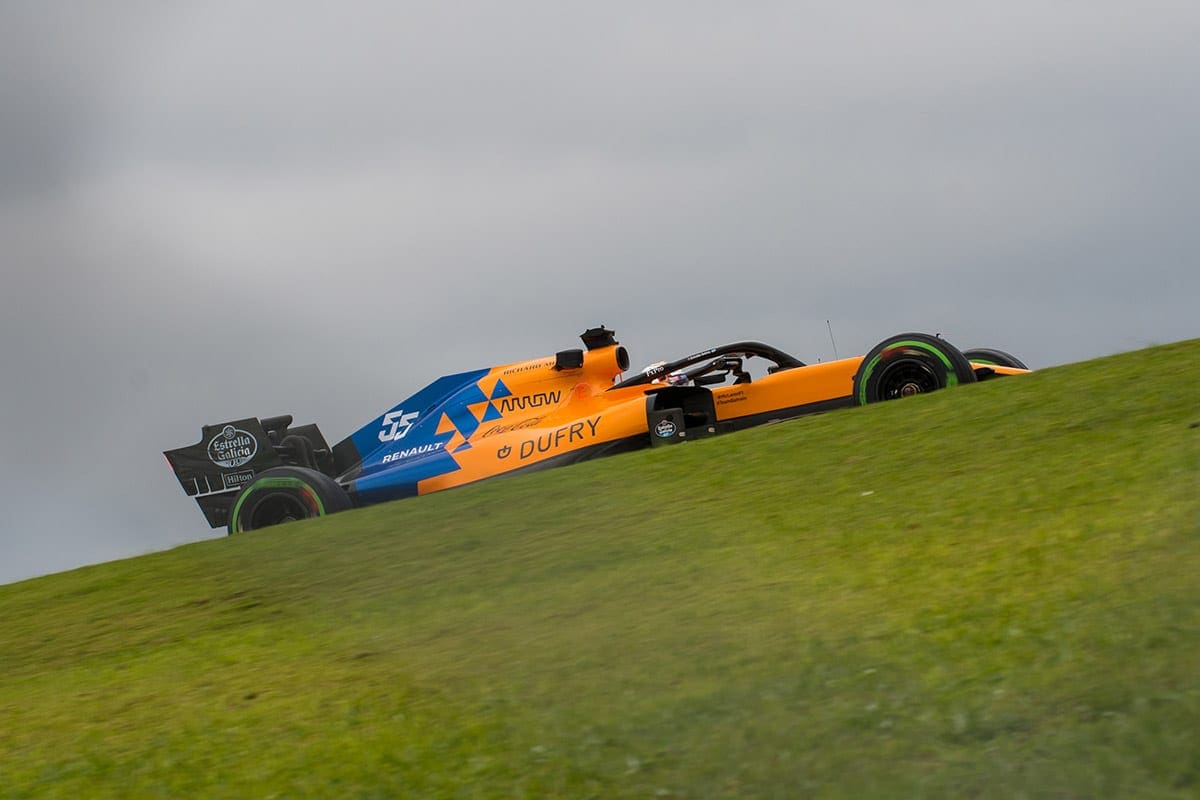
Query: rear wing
[(230, 454)]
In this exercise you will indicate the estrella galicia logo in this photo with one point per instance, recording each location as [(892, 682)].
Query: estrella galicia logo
[(665, 429), (232, 447), (396, 425)]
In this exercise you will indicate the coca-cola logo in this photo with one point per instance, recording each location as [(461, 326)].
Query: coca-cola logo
[(232, 447)]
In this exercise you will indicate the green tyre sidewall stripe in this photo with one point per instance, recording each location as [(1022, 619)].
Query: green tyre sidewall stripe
[(274, 483), (951, 376)]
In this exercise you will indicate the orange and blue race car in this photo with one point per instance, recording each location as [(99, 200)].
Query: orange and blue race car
[(546, 412)]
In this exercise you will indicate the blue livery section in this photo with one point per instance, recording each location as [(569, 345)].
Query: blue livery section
[(402, 446)]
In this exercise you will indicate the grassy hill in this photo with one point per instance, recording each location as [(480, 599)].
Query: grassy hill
[(987, 592)]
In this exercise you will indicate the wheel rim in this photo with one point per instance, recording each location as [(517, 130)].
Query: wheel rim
[(277, 508), (906, 377)]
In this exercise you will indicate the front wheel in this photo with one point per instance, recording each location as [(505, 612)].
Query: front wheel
[(909, 364), (286, 494)]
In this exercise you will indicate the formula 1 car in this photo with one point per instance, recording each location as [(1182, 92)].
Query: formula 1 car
[(546, 412)]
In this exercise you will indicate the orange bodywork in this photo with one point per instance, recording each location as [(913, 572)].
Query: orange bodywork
[(550, 412), (556, 412)]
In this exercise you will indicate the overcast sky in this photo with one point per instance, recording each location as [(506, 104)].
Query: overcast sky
[(214, 210)]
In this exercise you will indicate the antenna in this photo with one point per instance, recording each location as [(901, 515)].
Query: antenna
[(831, 341)]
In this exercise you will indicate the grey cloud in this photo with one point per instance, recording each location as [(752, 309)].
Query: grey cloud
[(537, 79), (55, 60)]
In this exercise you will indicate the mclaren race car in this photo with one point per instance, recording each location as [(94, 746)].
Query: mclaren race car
[(546, 412)]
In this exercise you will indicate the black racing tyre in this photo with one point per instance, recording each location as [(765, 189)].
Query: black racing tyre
[(907, 364), (994, 358), (286, 494)]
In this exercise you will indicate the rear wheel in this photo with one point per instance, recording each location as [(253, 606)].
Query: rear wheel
[(909, 364), (286, 494), (993, 358)]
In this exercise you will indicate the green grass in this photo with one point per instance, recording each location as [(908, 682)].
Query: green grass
[(986, 592)]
